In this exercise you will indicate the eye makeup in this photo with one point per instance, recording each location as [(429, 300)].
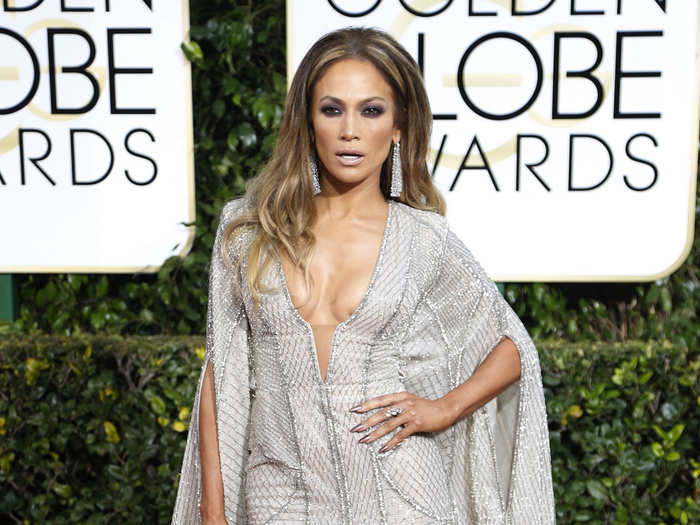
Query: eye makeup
[(369, 111), (330, 110), (373, 111)]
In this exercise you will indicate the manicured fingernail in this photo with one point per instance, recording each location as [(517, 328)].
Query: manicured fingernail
[(358, 408), (356, 428), (383, 449), (365, 439)]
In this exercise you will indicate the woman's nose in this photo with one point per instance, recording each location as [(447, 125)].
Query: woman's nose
[(348, 130)]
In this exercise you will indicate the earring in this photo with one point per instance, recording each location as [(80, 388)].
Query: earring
[(396, 175), (313, 167)]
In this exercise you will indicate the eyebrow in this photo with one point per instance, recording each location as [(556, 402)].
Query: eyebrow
[(342, 103)]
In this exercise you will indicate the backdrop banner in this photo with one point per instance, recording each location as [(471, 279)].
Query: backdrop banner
[(96, 157), (565, 132)]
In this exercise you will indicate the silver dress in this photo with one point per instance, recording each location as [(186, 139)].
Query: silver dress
[(429, 317)]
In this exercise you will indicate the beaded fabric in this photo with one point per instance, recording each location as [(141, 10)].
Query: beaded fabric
[(429, 317)]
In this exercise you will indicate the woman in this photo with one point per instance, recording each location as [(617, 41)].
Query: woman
[(360, 365)]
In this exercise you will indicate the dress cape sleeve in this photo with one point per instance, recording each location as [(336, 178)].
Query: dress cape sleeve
[(500, 459), (227, 351)]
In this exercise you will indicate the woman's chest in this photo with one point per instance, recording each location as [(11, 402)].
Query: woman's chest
[(283, 339), (340, 272)]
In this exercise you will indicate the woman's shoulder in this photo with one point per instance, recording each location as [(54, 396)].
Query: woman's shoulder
[(435, 230), (236, 239), (233, 209), (428, 220)]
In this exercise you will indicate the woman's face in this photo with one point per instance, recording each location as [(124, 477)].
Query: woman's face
[(353, 119)]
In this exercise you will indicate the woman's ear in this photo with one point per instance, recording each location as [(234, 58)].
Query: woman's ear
[(396, 133)]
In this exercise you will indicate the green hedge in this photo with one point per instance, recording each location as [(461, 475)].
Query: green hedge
[(92, 429)]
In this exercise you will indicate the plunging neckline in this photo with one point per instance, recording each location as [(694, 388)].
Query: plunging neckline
[(343, 324)]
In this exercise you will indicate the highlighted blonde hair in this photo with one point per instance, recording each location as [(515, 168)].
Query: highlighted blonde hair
[(281, 209)]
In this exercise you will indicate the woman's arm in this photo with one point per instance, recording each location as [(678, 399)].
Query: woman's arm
[(201, 497), (211, 506), (498, 371)]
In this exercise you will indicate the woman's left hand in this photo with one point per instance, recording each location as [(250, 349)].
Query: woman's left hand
[(415, 414)]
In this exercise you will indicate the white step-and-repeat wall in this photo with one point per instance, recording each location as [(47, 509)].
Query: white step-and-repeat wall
[(96, 157)]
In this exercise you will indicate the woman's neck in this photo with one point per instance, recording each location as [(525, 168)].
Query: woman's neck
[(360, 200)]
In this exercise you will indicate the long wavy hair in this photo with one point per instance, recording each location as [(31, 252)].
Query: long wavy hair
[(280, 208)]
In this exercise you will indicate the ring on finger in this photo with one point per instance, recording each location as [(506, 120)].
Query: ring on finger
[(393, 412)]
